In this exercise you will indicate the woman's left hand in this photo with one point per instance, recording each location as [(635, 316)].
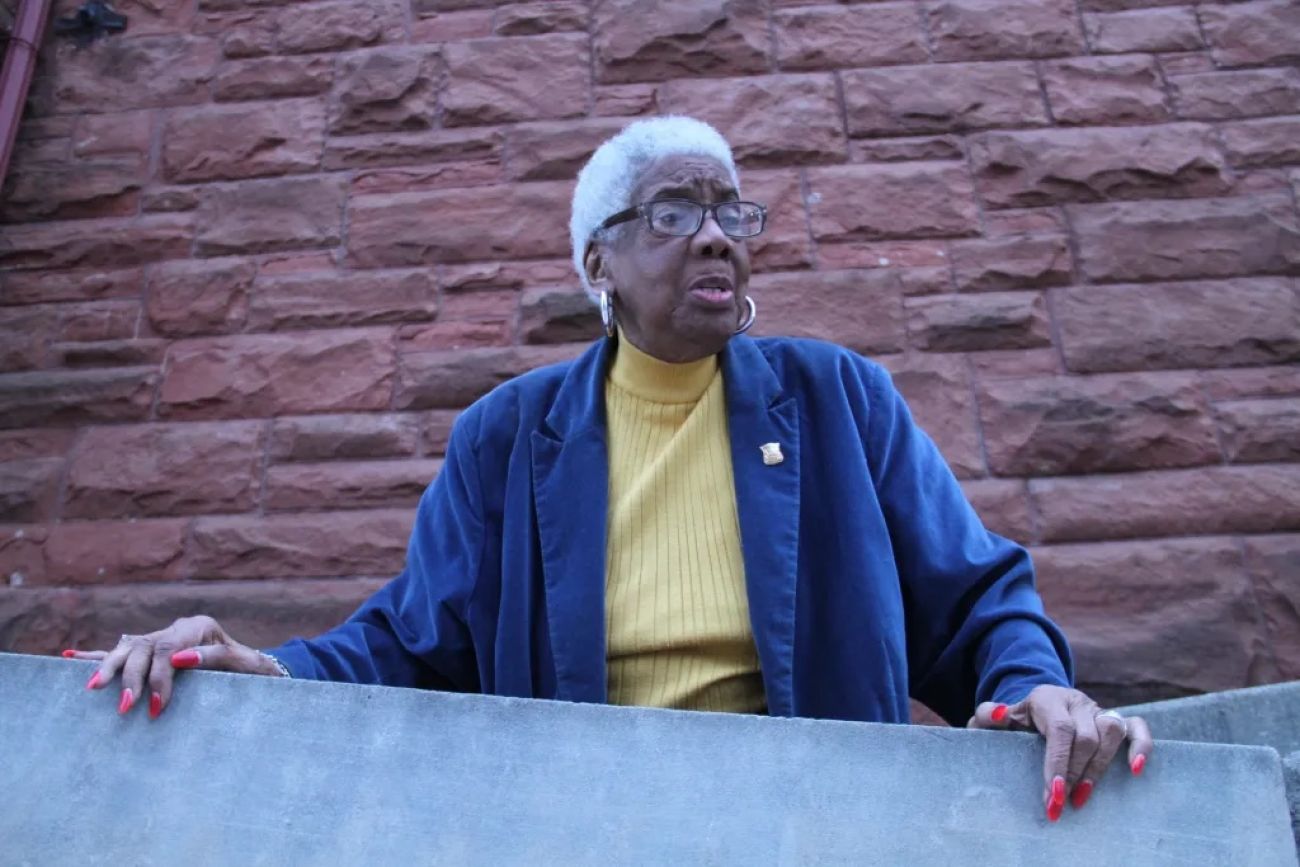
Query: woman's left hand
[(1081, 740)]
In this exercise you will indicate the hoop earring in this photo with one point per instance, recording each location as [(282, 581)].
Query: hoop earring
[(607, 313), (749, 321)]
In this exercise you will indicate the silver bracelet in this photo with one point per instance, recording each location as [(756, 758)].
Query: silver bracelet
[(279, 666)]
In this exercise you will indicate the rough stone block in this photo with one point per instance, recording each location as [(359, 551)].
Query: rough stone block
[(504, 80), (1179, 325), (1207, 500), (271, 215), (636, 41), (337, 300), (529, 763), (1035, 168), (118, 74), (96, 243), (70, 397), (459, 225), (71, 192), (1111, 90), (233, 142), (999, 29), (861, 309), (1253, 34), (1016, 262), (1059, 425), (914, 200), (833, 37), (385, 484), (941, 98), (205, 297), (939, 147), (1170, 240), (1236, 94), (389, 89), (1260, 430), (262, 613), (110, 353), (329, 544), (558, 314), (28, 489), (555, 150), (937, 389), (405, 149), (92, 284), (1003, 506), (1268, 142), (273, 77), (768, 120), (1157, 617), (786, 242), (451, 380), (970, 323), (344, 437), (1159, 29), (114, 552), (531, 19), (262, 375), (1273, 563), (165, 469), (22, 445)]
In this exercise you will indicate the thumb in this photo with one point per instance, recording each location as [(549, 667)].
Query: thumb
[(216, 657), (995, 715)]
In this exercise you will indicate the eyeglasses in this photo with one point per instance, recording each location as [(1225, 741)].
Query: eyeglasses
[(683, 217)]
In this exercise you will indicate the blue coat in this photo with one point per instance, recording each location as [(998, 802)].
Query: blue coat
[(869, 575)]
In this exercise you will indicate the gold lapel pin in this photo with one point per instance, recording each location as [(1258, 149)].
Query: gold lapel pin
[(772, 454)]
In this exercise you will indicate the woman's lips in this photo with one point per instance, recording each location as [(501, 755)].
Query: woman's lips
[(713, 297)]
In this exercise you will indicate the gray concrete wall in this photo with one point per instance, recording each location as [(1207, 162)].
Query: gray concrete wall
[(1263, 715), (245, 770)]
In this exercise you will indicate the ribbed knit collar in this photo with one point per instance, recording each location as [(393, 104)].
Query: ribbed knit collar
[(648, 378)]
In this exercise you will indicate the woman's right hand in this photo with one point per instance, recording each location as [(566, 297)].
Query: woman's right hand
[(190, 642)]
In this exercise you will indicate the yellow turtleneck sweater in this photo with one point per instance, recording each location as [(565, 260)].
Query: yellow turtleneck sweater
[(676, 610)]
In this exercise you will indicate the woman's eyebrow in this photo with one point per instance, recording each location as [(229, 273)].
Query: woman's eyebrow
[(688, 192)]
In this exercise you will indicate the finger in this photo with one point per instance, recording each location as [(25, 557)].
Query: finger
[(1111, 733), (134, 671), (88, 655), (217, 657), (110, 665), (1086, 741), (991, 715), (1140, 744), (1057, 726)]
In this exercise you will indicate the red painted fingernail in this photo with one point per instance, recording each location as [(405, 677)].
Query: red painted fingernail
[(1057, 802), (93, 682), (68, 654), (186, 659), (155, 705), (1081, 794), (128, 699), (999, 713), (1138, 764)]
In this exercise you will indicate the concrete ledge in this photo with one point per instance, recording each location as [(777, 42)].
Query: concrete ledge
[(1267, 716), (246, 770)]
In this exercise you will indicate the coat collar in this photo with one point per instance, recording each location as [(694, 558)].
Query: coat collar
[(570, 464)]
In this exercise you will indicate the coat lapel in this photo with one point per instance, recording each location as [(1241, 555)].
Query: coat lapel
[(571, 491), (767, 502)]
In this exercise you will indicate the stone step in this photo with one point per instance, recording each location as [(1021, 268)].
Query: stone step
[(1267, 716), (248, 770)]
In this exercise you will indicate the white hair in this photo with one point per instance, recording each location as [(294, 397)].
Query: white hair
[(606, 182)]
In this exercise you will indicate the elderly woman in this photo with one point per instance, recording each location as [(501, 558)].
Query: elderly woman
[(686, 517)]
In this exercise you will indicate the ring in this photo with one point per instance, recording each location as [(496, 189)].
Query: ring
[(1114, 714)]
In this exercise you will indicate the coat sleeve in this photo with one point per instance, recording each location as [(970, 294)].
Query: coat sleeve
[(412, 631), (976, 629)]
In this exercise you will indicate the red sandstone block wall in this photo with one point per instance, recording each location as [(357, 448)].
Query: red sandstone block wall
[(255, 254)]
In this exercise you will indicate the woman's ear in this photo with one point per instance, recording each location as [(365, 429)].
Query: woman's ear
[(594, 263)]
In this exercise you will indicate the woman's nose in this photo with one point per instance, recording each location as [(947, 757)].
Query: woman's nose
[(710, 241)]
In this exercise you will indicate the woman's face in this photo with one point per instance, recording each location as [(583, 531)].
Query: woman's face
[(678, 298)]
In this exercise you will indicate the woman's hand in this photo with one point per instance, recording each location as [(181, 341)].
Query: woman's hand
[(190, 642), (1081, 740)]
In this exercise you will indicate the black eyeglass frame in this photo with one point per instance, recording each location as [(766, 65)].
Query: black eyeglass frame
[(643, 210)]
